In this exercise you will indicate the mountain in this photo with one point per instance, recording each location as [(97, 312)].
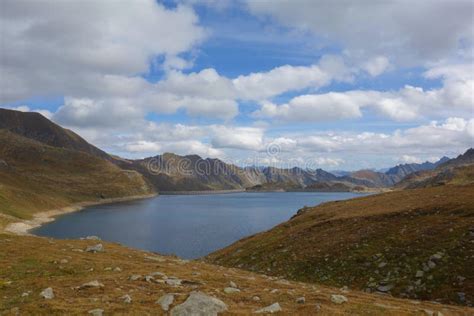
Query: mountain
[(395, 174), (170, 172), (401, 171), (459, 170), (36, 127), (410, 243), (43, 167)]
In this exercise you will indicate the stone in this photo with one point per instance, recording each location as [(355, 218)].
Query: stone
[(274, 308), (431, 264), (437, 256), (274, 291), (47, 293), (149, 278), (301, 300), (382, 264), (63, 261), (385, 288), (95, 248), (135, 277), (165, 301), (127, 299), (117, 269), (173, 282), (92, 238), (256, 298), (199, 304), (162, 275), (419, 274), (232, 284), (231, 290), (96, 312), (91, 284), (338, 299)]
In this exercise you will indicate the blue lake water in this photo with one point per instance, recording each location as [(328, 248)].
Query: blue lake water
[(189, 226)]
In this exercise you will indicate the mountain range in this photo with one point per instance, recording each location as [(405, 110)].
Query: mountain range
[(171, 172)]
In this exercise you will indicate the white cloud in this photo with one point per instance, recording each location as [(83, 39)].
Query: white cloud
[(455, 97), (377, 65), (65, 47), (410, 159), (249, 138), (403, 30)]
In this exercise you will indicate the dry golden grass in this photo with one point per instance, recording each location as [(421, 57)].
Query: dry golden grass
[(31, 264)]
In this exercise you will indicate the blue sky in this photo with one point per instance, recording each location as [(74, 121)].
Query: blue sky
[(333, 85)]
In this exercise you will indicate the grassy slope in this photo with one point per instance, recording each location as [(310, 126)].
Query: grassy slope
[(372, 241), (36, 177), (33, 264)]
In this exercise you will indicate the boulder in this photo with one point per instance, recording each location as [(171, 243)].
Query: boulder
[(165, 301), (199, 304), (95, 248), (274, 308), (47, 293), (338, 299)]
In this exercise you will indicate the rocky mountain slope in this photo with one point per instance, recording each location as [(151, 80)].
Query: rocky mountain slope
[(395, 174), (459, 170), (40, 276), (411, 243)]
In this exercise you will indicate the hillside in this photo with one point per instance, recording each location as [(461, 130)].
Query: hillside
[(395, 174), (412, 243), (459, 170), (35, 126), (120, 280), (36, 176)]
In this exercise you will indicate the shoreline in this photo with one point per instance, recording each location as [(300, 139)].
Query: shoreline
[(203, 192), (23, 227)]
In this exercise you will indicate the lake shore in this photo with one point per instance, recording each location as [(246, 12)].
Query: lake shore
[(23, 227)]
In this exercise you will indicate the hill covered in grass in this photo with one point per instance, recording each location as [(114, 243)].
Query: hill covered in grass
[(411, 243), (119, 280), (47, 167)]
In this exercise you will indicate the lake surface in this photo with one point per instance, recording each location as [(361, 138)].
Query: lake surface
[(189, 226)]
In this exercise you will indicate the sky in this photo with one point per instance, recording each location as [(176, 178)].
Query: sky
[(338, 85)]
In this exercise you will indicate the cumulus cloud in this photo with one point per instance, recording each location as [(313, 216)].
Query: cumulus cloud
[(376, 65), (455, 97), (403, 30), (64, 47)]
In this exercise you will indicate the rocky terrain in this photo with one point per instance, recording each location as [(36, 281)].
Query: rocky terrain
[(40, 276), (411, 244)]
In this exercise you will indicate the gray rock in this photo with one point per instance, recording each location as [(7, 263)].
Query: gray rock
[(338, 299), (199, 304), (135, 277), (91, 284), (255, 298), (231, 290), (165, 301), (301, 300), (274, 308), (419, 274), (431, 264), (47, 293), (126, 299), (437, 256), (232, 284), (92, 238), (96, 312), (95, 248), (174, 282), (385, 288)]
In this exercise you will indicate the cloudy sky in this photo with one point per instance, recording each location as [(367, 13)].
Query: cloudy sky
[(330, 84)]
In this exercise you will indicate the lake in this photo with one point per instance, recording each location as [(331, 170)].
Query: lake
[(189, 226)]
